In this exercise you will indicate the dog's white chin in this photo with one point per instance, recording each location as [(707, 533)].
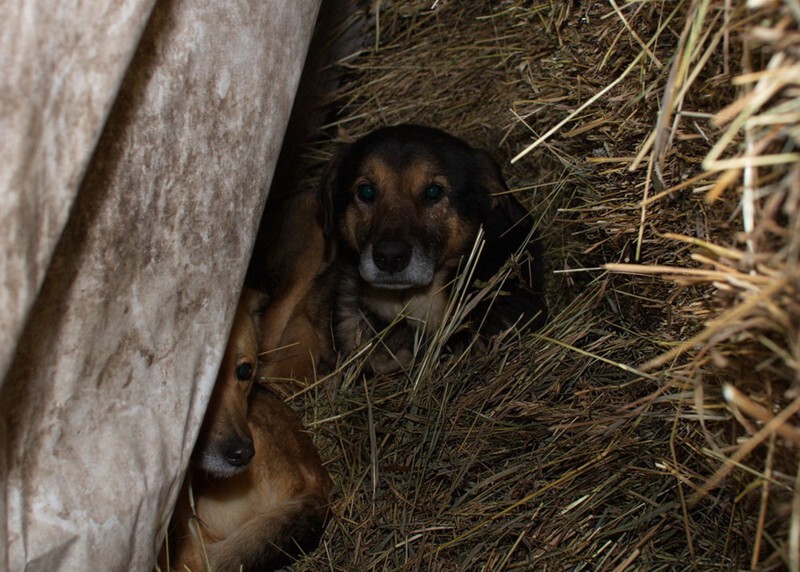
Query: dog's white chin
[(394, 285), (417, 274)]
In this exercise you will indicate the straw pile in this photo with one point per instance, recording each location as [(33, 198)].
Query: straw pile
[(653, 424)]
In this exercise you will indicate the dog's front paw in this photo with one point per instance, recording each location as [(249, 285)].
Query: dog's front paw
[(384, 361)]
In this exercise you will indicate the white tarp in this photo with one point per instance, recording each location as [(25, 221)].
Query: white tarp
[(137, 144)]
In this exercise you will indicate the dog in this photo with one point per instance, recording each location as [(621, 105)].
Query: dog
[(256, 494), (404, 205)]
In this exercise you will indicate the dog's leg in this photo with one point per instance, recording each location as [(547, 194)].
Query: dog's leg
[(394, 351), (273, 539), (391, 343)]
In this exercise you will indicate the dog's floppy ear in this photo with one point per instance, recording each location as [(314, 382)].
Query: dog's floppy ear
[(255, 301), (255, 305), (489, 174), (327, 190), (506, 212), (509, 231), (508, 227)]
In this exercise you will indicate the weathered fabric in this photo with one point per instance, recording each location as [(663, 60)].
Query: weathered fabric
[(137, 148)]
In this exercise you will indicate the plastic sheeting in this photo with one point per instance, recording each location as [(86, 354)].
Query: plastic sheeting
[(137, 147)]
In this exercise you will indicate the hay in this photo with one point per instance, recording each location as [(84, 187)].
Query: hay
[(653, 424)]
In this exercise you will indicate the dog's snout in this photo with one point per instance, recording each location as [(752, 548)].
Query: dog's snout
[(240, 453), (391, 255)]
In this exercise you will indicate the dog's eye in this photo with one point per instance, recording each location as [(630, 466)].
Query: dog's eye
[(366, 192), (244, 371), (433, 192)]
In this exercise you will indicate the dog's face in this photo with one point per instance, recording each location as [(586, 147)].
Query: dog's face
[(225, 444), (406, 201)]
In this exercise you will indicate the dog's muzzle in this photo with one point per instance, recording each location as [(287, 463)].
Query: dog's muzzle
[(391, 255), (227, 458), (395, 264)]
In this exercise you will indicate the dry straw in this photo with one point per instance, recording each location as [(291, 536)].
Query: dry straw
[(653, 423)]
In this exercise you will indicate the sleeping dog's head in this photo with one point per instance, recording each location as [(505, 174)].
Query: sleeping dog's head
[(225, 444), (406, 200)]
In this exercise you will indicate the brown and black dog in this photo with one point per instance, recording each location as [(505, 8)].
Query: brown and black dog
[(399, 210), (405, 204), (259, 491)]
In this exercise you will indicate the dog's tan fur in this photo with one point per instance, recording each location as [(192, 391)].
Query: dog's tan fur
[(275, 507), (292, 266)]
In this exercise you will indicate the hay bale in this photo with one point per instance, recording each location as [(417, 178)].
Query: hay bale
[(653, 423)]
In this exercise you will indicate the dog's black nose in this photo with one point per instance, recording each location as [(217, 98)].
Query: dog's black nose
[(391, 255), (241, 454)]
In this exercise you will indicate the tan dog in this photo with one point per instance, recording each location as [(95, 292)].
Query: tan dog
[(259, 489)]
